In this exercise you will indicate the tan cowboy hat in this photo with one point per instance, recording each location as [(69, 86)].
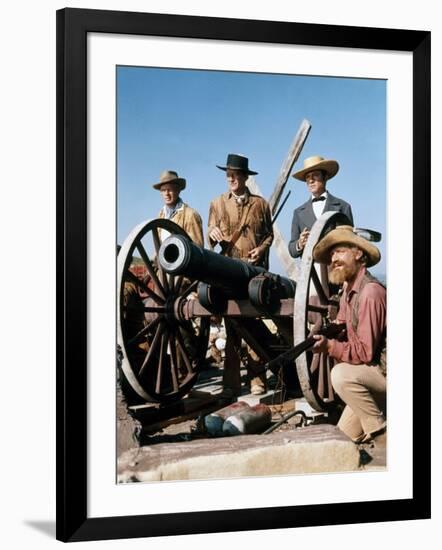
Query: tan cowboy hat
[(345, 234), (169, 176), (317, 163)]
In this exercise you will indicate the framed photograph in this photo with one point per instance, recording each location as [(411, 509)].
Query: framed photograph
[(145, 100)]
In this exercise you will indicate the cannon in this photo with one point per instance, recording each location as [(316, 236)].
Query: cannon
[(222, 278), (163, 313)]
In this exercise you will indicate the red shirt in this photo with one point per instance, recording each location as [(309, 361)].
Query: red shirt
[(361, 345)]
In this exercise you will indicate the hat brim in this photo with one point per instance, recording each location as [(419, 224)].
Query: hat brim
[(225, 168), (343, 235), (329, 166), (181, 182)]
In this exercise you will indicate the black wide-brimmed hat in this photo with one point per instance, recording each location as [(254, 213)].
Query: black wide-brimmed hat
[(237, 162)]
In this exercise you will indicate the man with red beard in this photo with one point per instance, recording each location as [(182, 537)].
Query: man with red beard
[(359, 377)]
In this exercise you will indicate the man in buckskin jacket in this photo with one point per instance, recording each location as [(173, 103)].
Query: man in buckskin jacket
[(238, 220), (170, 187), (316, 172), (241, 224)]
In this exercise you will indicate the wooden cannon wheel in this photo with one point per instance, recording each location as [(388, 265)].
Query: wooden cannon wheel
[(310, 305), (159, 356)]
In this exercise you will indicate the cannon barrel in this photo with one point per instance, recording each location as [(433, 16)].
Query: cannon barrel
[(180, 256)]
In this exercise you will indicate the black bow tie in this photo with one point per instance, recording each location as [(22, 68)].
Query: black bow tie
[(315, 199)]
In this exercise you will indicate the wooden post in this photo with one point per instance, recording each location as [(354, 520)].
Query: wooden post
[(279, 244), (292, 157)]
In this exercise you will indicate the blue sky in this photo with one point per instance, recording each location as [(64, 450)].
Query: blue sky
[(189, 120)]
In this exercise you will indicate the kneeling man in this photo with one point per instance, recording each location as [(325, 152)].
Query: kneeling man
[(359, 377)]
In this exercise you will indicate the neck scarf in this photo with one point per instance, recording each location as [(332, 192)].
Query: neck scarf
[(240, 199), (170, 212)]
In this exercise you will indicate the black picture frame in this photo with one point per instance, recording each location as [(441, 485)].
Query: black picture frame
[(73, 25)]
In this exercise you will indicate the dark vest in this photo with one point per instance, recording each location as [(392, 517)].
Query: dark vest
[(380, 356)]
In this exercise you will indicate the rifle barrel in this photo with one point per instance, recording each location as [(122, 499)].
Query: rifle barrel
[(281, 207)]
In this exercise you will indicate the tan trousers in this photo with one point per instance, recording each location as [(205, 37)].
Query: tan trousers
[(363, 389), (231, 372)]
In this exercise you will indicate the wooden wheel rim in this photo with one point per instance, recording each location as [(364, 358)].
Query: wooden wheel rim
[(147, 387), (327, 221)]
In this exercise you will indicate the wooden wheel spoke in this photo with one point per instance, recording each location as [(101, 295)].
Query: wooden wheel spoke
[(325, 378), (322, 385), (315, 363), (144, 331), (172, 282), (323, 298), (163, 274), (173, 362), (145, 309), (182, 350), (325, 388), (323, 310), (163, 353), (330, 364), (134, 279), (156, 240), (152, 350), (178, 283), (150, 269), (189, 289)]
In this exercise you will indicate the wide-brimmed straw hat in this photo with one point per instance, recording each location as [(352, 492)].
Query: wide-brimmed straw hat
[(170, 176), (237, 162), (317, 163), (345, 235)]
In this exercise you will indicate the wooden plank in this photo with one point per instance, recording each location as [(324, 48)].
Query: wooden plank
[(237, 308), (279, 244), (292, 157), (153, 413)]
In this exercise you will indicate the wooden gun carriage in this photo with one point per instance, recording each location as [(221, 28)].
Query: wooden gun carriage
[(164, 317)]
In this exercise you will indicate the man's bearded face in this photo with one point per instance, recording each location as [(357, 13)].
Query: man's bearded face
[(344, 264)]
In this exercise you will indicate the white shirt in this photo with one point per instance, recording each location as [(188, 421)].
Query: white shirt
[(318, 209), (318, 206), (168, 214)]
